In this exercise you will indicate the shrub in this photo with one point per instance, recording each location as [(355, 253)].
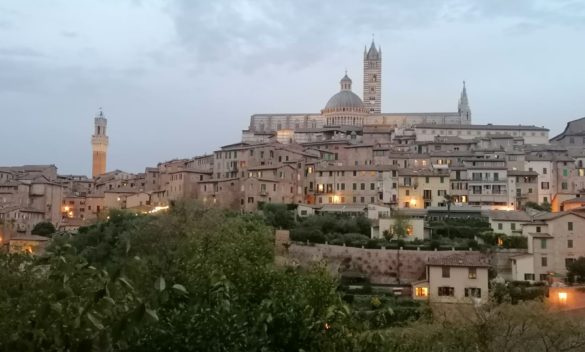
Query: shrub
[(44, 228)]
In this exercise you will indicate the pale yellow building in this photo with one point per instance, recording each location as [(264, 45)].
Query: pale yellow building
[(458, 278)]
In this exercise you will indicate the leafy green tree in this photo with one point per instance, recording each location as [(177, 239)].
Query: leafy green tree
[(449, 201), (278, 216), (544, 206), (44, 228), (400, 226), (576, 270)]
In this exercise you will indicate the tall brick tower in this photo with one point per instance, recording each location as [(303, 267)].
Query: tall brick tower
[(99, 143), (373, 79)]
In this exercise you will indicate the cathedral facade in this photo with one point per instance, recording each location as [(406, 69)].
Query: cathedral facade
[(347, 112)]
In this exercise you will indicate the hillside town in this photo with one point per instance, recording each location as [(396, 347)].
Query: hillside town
[(351, 158)]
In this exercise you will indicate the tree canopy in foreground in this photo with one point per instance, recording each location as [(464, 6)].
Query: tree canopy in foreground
[(204, 280)]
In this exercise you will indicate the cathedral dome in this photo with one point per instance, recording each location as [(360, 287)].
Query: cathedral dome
[(345, 98), (345, 108)]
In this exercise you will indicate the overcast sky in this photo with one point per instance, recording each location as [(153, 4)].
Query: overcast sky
[(181, 78)]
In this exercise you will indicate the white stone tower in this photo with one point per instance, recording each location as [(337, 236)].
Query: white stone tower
[(463, 107), (99, 143), (373, 79)]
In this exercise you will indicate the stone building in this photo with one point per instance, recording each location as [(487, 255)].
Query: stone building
[(457, 278), (572, 138), (554, 241), (346, 108)]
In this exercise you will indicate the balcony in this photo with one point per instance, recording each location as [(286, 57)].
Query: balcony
[(487, 180)]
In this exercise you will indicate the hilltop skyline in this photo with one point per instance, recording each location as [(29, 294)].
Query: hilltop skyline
[(181, 79)]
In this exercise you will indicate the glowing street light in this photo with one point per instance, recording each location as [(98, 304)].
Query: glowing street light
[(562, 297)]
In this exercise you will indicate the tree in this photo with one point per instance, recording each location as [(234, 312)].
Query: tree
[(544, 206), (44, 228), (400, 227), (576, 270), (449, 200), (278, 216)]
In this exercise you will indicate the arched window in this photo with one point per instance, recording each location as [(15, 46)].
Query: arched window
[(374, 78)]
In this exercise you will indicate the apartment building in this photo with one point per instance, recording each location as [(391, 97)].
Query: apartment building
[(355, 184), (554, 241), (487, 180), (422, 188)]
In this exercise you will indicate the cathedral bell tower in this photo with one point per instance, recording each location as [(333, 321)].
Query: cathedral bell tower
[(99, 143), (373, 79)]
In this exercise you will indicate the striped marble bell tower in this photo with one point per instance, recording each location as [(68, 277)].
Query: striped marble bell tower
[(373, 79)]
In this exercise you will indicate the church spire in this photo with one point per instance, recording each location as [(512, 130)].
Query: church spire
[(463, 106), (373, 53)]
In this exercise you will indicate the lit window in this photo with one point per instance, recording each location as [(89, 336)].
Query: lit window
[(421, 292)]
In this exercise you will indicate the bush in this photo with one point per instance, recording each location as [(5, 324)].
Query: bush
[(278, 216), (43, 229), (307, 234)]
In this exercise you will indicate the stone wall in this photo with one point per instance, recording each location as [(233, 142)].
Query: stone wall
[(383, 266)]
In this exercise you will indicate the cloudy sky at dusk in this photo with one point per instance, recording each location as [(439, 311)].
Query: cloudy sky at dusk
[(181, 78)]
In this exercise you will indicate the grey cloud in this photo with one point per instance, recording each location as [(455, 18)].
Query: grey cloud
[(250, 34), (20, 52), (69, 34)]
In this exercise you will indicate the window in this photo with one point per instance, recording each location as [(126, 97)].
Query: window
[(544, 170), (446, 271), (500, 226), (372, 186), (362, 186), (544, 185), (513, 226), (570, 225), (421, 292), (427, 179), (537, 228), (407, 192), (566, 172), (543, 277), (472, 274), (446, 291), (544, 261), (543, 243), (564, 185), (473, 292), (569, 243)]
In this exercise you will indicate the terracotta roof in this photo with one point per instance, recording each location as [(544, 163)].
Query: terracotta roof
[(540, 235), (473, 259), (502, 215), (481, 127), (575, 200)]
